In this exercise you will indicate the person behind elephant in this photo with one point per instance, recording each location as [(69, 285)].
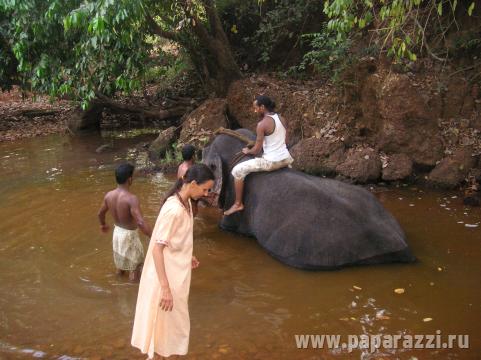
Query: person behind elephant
[(188, 155), (271, 138)]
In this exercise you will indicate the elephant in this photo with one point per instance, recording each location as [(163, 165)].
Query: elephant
[(306, 221)]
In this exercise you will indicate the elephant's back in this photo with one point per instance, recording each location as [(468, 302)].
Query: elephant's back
[(311, 222)]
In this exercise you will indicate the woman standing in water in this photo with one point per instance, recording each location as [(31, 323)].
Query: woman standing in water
[(162, 324)]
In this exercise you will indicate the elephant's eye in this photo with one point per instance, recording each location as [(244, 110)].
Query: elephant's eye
[(212, 166)]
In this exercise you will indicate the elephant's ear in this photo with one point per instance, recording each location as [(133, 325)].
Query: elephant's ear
[(214, 162), (216, 167)]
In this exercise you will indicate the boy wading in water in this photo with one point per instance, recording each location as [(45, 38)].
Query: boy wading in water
[(125, 209)]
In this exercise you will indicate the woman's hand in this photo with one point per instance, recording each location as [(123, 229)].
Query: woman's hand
[(246, 150), (167, 301), (195, 262)]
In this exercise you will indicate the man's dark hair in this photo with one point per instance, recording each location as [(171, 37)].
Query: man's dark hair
[(188, 152), (123, 172), (266, 101)]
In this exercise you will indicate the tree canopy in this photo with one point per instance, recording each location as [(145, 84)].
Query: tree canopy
[(78, 48), (404, 26), (82, 48)]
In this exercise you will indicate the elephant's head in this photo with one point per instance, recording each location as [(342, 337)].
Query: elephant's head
[(218, 157)]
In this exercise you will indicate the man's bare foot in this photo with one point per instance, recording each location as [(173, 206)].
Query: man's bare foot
[(233, 209), (134, 275)]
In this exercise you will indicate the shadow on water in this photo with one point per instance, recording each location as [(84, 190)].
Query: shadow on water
[(60, 298)]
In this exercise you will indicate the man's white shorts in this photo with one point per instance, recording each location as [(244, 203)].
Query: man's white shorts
[(241, 170)]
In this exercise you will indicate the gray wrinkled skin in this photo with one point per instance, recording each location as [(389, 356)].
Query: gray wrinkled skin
[(305, 221)]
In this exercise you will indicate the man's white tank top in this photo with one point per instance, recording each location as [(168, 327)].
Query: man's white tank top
[(274, 145)]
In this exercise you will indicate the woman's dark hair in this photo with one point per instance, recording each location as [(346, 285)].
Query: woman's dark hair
[(123, 172), (188, 152), (266, 101), (198, 172)]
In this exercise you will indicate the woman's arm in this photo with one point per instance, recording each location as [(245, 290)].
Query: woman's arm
[(166, 302)]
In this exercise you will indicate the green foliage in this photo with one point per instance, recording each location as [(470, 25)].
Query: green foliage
[(8, 62), (267, 31), (241, 19), (327, 56), (173, 156), (401, 24), (76, 48), (171, 66), (281, 23), (466, 44)]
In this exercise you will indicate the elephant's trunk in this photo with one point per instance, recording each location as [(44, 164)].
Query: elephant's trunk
[(212, 200)]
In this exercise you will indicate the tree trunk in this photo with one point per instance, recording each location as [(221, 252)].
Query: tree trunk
[(213, 59), (224, 69), (88, 120), (153, 112)]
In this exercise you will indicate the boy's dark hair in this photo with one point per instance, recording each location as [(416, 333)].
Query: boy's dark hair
[(123, 172), (188, 152)]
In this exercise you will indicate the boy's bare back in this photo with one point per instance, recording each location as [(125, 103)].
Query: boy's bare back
[(120, 202), (183, 169)]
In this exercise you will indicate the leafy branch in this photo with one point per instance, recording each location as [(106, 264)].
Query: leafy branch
[(400, 24)]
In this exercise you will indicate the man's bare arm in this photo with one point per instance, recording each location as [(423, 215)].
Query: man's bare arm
[(180, 171), (259, 140), (101, 215), (137, 215)]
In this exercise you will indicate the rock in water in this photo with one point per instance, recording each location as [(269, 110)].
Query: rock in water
[(159, 146), (103, 148)]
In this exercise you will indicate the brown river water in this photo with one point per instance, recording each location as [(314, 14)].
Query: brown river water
[(60, 297)]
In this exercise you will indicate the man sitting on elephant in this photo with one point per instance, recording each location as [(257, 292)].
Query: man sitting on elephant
[(271, 138)]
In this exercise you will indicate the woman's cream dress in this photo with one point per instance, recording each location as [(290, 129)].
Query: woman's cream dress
[(166, 332)]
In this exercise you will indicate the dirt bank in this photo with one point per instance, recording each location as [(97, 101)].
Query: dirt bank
[(22, 117), (382, 125)]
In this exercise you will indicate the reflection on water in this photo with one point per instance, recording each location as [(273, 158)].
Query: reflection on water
[(60, 298)]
